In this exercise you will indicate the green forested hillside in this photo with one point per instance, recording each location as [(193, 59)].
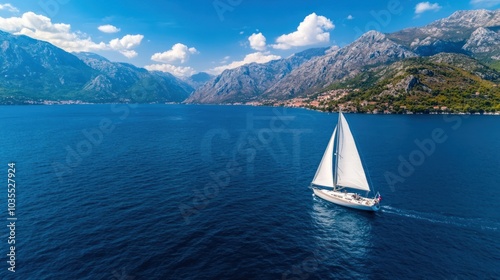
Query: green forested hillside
[(441, 83)]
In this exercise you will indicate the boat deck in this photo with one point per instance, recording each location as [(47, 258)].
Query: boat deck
[(348, 199), (351, 197)]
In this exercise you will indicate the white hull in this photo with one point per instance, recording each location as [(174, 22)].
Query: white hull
[(348, 200)]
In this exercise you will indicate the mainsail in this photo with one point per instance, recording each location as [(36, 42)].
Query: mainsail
[(348, 170)]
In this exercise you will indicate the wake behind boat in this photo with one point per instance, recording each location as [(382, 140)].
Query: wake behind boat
[(341, 169)]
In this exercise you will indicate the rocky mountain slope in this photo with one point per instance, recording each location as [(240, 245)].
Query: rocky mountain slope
[(473, 33), (445, 82), (248, 82), (34, 71), (128, 83), (370, 49)]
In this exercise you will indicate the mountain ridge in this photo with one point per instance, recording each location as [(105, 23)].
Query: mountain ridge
[(371, 48), (55, 75), (247, 82)]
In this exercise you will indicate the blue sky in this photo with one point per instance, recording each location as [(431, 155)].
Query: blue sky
[(185, 37)]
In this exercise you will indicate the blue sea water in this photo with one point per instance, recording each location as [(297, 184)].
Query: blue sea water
[(221, 192)]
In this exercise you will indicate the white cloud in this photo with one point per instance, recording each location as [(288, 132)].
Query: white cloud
[(350, 17), (41, 28), (485, 3), (257, 41), (257, 57), (178, 52), (312, 30), (178, 71), (108, 28), (9, 8), (426, 6), (126, 44), (60, 34)]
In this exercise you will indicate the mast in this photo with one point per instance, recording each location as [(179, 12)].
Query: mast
[(339, 125)]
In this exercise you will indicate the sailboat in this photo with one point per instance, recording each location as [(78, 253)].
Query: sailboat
[(341, 171)]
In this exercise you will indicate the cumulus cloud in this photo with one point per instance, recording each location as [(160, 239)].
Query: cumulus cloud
[(350, 17), (108, 28), (485, 3), (41, 28), (178, 52), (257, 57), (423, 7), (312, 30), (60, 34), (178, 71), (257, 41), (126, 44), (9, 7)]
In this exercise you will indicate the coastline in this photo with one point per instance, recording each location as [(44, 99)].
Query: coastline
[(252, 104)]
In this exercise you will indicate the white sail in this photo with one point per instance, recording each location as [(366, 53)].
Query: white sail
[(324, 174), (350, 172)]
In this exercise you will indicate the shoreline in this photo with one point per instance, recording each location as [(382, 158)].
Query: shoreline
[(79, 102)]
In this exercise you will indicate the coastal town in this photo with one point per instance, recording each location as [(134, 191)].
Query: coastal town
[(332, 101)]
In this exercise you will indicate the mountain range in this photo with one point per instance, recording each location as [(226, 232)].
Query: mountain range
[(471, 33), (34, 71), (244, 83), (461, 51)]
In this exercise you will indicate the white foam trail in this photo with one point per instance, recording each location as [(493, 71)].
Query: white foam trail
[(443, 219)]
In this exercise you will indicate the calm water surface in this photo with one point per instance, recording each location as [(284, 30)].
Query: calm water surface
[(221, 192)]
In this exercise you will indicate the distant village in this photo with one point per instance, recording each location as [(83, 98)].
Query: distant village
[(322, 101)]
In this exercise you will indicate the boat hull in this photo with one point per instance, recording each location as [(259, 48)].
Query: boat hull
[(348, 200)]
